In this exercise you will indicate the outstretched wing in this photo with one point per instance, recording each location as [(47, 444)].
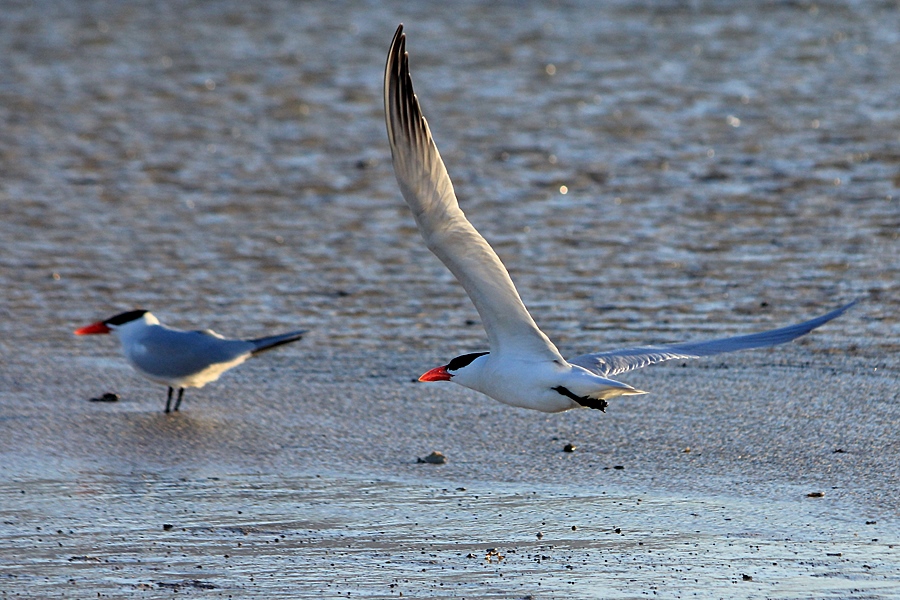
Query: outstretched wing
[(429, 193), (607, 364)]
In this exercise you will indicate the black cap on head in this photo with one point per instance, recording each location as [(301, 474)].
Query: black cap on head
[(461, 361), (125, 317)]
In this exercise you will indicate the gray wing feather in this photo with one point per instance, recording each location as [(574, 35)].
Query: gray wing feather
[(172, 353), (607, 364)]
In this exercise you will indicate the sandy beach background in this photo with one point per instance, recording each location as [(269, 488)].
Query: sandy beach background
[(727, 167)]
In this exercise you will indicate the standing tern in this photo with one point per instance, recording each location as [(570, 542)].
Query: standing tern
[(176, 358), (523, 367)]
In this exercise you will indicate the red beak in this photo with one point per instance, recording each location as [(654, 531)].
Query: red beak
[(98, 327), (436, 374)]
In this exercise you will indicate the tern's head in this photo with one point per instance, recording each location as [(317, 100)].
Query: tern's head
[(121, 320), (457, 366)]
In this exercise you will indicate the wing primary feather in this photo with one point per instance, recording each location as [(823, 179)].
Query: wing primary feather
[(608, 364), (428, 192)]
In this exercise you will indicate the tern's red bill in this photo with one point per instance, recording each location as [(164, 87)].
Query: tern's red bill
[(98, 327), (436, 374)]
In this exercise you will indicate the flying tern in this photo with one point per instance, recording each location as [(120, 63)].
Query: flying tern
[(523, 368), (180, 359)]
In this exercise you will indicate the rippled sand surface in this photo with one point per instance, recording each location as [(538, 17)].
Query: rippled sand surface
[(649, 172)]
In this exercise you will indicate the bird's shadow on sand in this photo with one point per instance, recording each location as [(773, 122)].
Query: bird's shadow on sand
[(151, 439)]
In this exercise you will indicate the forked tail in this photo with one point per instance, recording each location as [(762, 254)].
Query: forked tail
[(273, 341)]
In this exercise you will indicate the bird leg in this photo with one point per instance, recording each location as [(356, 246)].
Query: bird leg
[(180, 396), (169, 400), (596, 403)]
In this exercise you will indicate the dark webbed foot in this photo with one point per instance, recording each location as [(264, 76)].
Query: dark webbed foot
[(598, 404), (592, 403)]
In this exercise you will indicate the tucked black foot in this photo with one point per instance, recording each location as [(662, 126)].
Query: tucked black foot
[(592, 403), (598, 404)]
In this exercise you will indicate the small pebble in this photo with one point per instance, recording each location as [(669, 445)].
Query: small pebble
[(107, 397), (569, 448), (816, 495), (746, 577), (435, 458), (167, 526)]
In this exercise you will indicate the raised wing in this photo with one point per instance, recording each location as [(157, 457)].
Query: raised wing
[(429, 193), (607, 364)]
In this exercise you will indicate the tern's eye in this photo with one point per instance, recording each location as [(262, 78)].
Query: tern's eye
[(461, 361)]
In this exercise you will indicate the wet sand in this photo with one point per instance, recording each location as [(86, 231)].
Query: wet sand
[(726, 169)]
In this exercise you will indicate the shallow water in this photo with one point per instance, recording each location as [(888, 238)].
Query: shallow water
[(726, 168), (281, 537)]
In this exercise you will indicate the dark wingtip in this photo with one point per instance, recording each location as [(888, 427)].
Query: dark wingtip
[(399, 96), (391, 76), (398, 47), (850, 305), (840, 311)]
